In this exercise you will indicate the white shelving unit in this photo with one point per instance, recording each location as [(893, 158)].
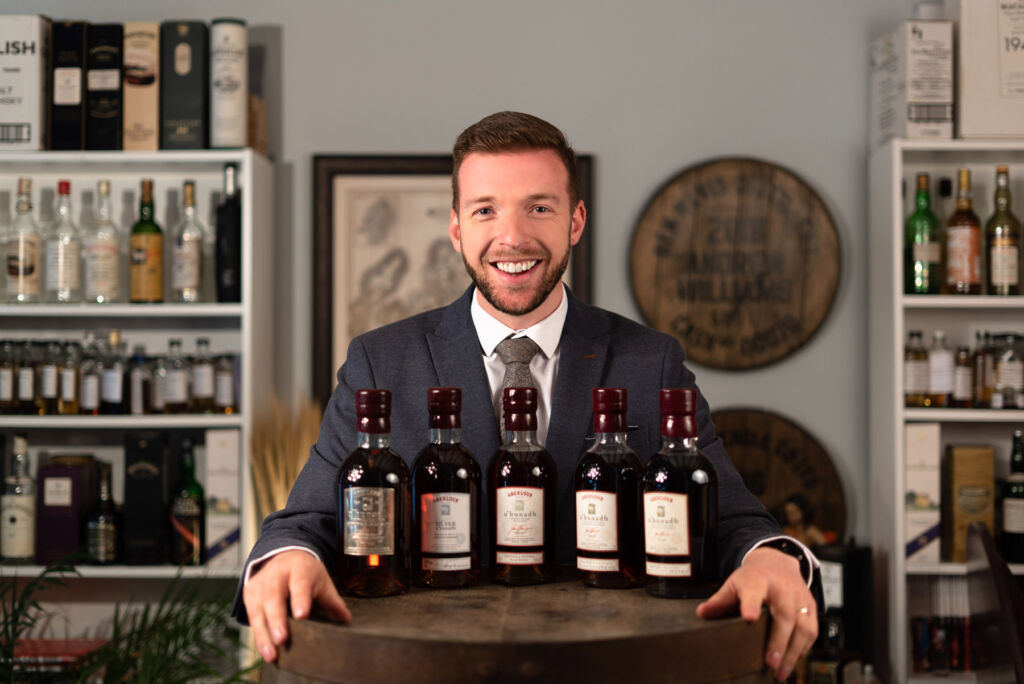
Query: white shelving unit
[(891, 315), (245, 328)]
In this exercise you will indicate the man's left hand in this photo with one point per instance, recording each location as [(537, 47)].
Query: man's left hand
[(769, 576)]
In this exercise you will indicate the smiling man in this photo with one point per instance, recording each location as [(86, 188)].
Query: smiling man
[(515, 215)]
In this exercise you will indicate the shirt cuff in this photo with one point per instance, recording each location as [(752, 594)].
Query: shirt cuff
[(812, 560), (251, 567)]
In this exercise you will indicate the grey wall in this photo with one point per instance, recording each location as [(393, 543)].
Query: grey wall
[(647, 87)]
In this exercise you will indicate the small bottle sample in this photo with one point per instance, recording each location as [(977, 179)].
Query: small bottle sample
[(139, 379), (177, 379), (915, 370), (203, 385), (8, 376), (963, 379), (940, 372), (26, 380), (49, 379), (224, 385)]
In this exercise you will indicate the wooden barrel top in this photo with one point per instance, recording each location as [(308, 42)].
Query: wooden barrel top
[(492, 633)]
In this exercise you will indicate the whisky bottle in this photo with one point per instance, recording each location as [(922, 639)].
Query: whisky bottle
[(187, 251), (27, 385), (915, 370), (158, 394), (102, 525), (147, 252), (8, 370), (70, 365), (1002, 241), (202, 378), (963, 379), (922, 247), (188, 513), (101, 252), (1013, 504), (92, 376), (940, 372), (112, 376), (63, 270), (1009, 384), (680, 500), (979, 368), (224, 385), (139, 379), (24, 251), (374, 502), (609, 534), (446, 488), (49, 379), (522, 487), (229, 239), (176, 382), (18, 508), (961, 246)]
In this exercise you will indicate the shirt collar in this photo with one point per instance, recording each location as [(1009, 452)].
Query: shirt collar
[(545, 333)]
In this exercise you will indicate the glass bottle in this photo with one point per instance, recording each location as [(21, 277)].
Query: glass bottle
[(374, 501), (522, 486), (139, 378), (940, 371), (203, 384), (18, 508), (8, 374), (979, 399), (147, 252), (176, 382), (112, 384), (963, 376), (27, 385), (187, 252), (24, 251), (915, 370), (70, 366), (680, 501), (188, 513), (102, 526), (1013, 504), (92, 376), (229, 239), (446, 489), (1002, 241), (609, 534), (101, 252), (224, 385), (158, 397), (922, 247), (49, 379), (961, 245), (63, 271), (1009, 376)]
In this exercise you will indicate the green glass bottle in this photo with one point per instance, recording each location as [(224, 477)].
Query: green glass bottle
[(1002, 241), (188, 513), (1013, 504), (922, 249), (147, 252)]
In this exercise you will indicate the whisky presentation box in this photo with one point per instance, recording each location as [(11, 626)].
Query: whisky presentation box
[(912, 82), (62, 504), (221, 482), (968, 479), (24, 82), (104, 58), (145, 499), (923, 492), (141, 85), (67, 111), (184, 85)]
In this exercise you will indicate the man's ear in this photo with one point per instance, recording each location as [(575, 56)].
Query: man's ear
[(579, 220), (454, 232)]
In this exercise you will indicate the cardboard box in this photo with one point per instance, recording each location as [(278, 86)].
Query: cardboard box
[(24, 82), (923, 493), (67, 112), (65, 495), (221, 482), (990, 68), (104, 57), (141, 85), (912, 82), (145, 499), (968, 495), (184, 85)]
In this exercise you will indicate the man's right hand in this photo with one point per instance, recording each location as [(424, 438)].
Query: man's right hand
[(295, 578)]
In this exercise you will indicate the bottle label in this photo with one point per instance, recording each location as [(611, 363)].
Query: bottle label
[(185, 265), (369, 521), (228, 85), (940, 371), (101, 270), (138, 387), (927, 252), (596, 524), (445, 522), (67, 86), (57, 491), (48, 381), (666, 524), (68, 384), (597, 564), (23, 267), (513, 558), (915, 377), (147, 270), (963, 255), (520, 517), (1013, 516), (18, 526), (962, 383), (669, 569), (1004, 263), (159, 394), (26, 384), (186, 530), (176, 387), (90, 392), (103, 79), (225, 389), (202, 381), (447, 564), (6, 384), (63, 261), (102, 541), (112, 385), (1010, 374)]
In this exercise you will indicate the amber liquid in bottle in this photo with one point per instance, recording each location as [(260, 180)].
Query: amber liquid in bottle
[(374, 502), (522, 486), (962, 244), (915, 371), (446, 487), (680, 506), (609, 535)]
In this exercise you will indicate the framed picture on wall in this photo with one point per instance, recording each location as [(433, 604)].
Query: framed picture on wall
[(381, 250)]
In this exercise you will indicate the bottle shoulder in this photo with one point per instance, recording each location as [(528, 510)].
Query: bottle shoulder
[(375, 460)]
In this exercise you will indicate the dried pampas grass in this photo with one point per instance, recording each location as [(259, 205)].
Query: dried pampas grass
[(281, 439)]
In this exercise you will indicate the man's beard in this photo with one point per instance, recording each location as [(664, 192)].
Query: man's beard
[(487, 289)]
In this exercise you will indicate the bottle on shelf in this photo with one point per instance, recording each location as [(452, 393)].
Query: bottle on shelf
[(49, 379), (63, 269), (188, 513), (113, 376), (27, 385), (940, 372), (1009, 373), (102, 525), (147, 252), (981, 394), (522, 485), (139, 379), (224, 385), (1013, 504), (922, 246), (91, 373), (203, 385), (101, 252), (680, 503), (446, 488), (176, 380), (158, 395), (70, 365), (8, 375), (229, 239), (915, 370), (1002, 241), (609, 534), (963, 379), (229, 89), (24, 251), (18, 508), (962, 244), (374, 501), (187, 251)]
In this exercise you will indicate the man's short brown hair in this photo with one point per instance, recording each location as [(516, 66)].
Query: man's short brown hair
[(513, 132)]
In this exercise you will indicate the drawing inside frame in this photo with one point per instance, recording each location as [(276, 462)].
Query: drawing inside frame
[(381, 250)]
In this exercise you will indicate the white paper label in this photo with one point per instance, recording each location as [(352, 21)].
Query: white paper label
[(67, 86), (49, 381), (596, 524), (103, 79), (202, 381), (1010, 374), (112, 385), (26, 384), (1013, 516), (176, 388), (225, 390), (447, 564), (1011, 47), (940, 371), (90, 392), (832, 584), (520, 517), (57, 491), (1003, 264), (137, 378), (17, 525), (666, 524), (101, 270), (962, 381), (915, 377), (185, 265), (514, 558), (68, 382), (63, 264), (6, 384), (445, 522), (597, 564), (669, 569)]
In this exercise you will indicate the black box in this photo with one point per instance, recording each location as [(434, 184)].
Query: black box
[(67, 108), (184, 85), (104, 59), (145, 499)]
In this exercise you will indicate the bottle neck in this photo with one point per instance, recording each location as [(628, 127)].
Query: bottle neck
[(23, 207), (146, 211), (190, 213), (610, 438), (1002, 199), (923, 201), (374, 440), (445, 435), (105, 490), (19, 466), (673, 443), (521, 438), (104, 209), (63, 208), (230, 183)]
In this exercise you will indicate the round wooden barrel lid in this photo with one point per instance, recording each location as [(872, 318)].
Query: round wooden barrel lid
[(788, 470), (737, 258)]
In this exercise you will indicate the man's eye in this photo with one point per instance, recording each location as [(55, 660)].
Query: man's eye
[(541, 210), (483, 211)]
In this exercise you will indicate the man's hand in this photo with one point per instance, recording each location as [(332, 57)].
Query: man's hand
[(291, 575), (769, 576)]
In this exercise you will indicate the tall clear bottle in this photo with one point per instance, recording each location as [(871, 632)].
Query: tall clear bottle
[(962, 244), (18, 508), (680, 506), (609, 534), (374, 506), (101, 252), (446, 489), (1002, 241), (922, 245), (63, 271), (187, 251), (229, 239), (24, 251), (147, 252), (522, 488)]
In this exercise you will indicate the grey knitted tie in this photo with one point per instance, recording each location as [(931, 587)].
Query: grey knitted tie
[(517, 354)]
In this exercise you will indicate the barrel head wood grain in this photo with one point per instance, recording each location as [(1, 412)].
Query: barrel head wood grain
[(739, 259)]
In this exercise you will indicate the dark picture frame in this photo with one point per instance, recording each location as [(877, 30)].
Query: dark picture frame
[(394, 174)]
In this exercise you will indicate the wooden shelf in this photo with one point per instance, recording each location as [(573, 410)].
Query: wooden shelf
[(184, 420), (962, 302), (936, 415)]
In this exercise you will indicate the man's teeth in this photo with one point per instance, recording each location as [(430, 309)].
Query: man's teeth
[(515, 266)]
